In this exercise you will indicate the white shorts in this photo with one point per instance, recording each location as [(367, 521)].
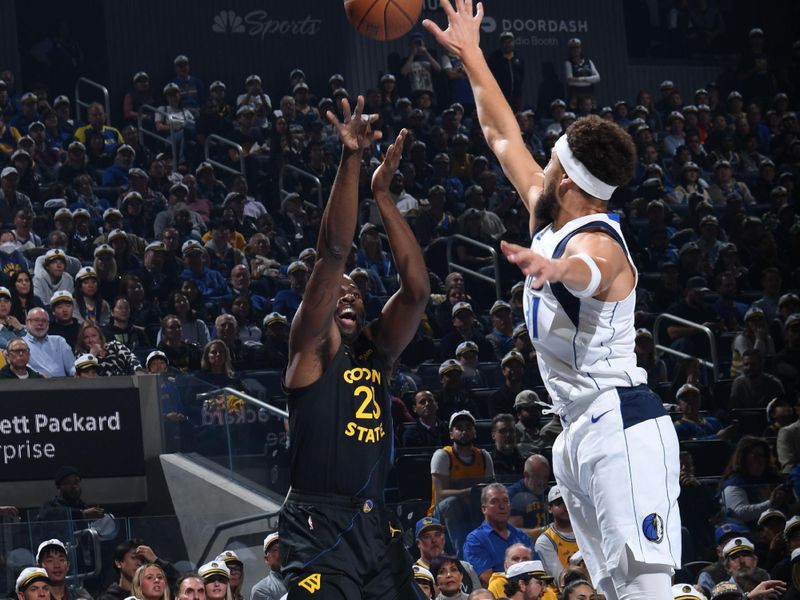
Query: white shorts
[(617, 466)]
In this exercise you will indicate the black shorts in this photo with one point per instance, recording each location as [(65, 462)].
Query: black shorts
[(338, 548)]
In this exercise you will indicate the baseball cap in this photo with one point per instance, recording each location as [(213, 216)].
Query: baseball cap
[(111, 212), (459, 306), (517, 288), (178, 187), (507, 35), (62, 213), (76, 145), (366, 227), (359, 272), (140, 75), (61, 296), (8, 171), (29, 576), (736, 546), (686, 388), (720, 531), (574, 42), (726, 590), (53, 543), (427, 523), (643, 333), (215, 567), (85, 361), (270, 539), (512, 355), (64, 472), (155, 354), (690, 247), (28, 97), (461, 414), (422, 574), (229, 556), (450, 364), (709, 220), (81, 212), (180, 59), (697, 283), (554, 494), (190, 246), (89, 272), (217, 85), (252, 79), (297, 265), (60, 100), (519, 330), (116, 233), (296, 72), (4, 292), (275, 317), (232, 197), (155, 247), (792, 319), (203, 166), (53, 254), (102, 249), (791, 525), (684, 591), (527, 398), (36, 125), (528, 568), (467, 346), (498, 306), (666, 85), (790, 297), (311, 252), (754, 312), (339, 77), (770, 513)]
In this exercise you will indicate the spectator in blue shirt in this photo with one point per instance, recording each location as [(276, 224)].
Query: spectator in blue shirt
[(210, 283), (693, 426), (192, 89), (117, 174), (50, 354), (486, 546), (288, 301), (27, 115)]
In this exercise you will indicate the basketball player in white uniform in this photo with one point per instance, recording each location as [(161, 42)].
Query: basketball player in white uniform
[(616, 461)]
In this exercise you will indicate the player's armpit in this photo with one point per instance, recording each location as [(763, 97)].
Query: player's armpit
[(616, 274)]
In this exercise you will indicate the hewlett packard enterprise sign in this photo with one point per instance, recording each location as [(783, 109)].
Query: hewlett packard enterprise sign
[(98, 431)]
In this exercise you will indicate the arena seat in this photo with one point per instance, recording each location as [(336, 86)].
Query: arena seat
[(429, 375), (752, 421), (492, 373), (413, 473), (710, 456)]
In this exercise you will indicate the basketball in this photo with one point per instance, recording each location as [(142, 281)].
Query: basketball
[(383, 19)]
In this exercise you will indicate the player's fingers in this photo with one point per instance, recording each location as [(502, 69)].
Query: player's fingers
[(433, 28), (479, 12), (468, 7), (447, 8), (359, 107), (346, 109), (333, 119), (508, 248)]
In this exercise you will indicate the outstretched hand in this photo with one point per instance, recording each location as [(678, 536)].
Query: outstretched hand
[(542, 269), (463, 27), (356, 132), (383, 175)]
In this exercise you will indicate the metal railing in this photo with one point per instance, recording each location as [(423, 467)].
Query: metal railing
[(461, 268), (248, 398), (303, 175), (226, 525), (169, 142), (713, 365), (218, 139), (80, 103)]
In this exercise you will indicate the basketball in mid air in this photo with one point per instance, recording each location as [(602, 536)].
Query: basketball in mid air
[(383, 19)]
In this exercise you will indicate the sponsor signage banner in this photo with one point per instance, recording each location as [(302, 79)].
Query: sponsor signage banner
[(97, 431)]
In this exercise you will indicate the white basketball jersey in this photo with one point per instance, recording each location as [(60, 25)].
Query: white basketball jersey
[(584, 345)]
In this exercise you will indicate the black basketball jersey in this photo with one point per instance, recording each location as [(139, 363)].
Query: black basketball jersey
[(340, 427)]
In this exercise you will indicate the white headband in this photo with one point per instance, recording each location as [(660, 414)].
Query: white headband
[(578, 172)]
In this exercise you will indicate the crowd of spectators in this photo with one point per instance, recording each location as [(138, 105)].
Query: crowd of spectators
[(117, 260)]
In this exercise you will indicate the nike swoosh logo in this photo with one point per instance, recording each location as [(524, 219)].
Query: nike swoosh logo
[(600, 416)]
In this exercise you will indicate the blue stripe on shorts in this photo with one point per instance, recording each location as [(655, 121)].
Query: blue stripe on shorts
[(639, 404)]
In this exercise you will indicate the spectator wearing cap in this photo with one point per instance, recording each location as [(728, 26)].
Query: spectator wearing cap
[(292, 221), (716, 572), (11, 258), (711, 239), (420, 64), (644, 348), (465, 329), (28, 113), (724, 183), (254, 94), (527, 430), (754, 388), (55, 278), (208, 186), (770, 541), (26, 238), (741, 563), (288, 301), (175, 121), (754, 336), (32, 583), (117, 174), (222, 255), (51, 555), (455, 469), (10, 326), (210, 283), (508, 70), (557, 542), (500, 337), (11, 199), (275, 340), (139, 95), (428, 429), (512, 367), (96, 116), (46, 152), (192, 90), (372, 256), (453, 395), (135, 220), (692, 308), (272, 586), (580, 74), (485, 546), (17, 354), (790, 534), (63, 322), (88, 297), (691, 182), (87, 199), (694, 426), (68, 504), (467, 356), (506, 455), (178, 197), (372, 304)]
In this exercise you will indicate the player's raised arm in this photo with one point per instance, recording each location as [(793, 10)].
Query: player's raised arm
[(400, 317), (314, 337), (497, 120)]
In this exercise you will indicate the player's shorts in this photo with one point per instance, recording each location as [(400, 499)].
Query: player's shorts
[(340, 548), (617, 466)]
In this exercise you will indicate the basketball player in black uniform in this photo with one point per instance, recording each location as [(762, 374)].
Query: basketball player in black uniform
[(337, 541)]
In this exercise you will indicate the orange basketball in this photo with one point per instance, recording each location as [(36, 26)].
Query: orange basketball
[(383, 19)]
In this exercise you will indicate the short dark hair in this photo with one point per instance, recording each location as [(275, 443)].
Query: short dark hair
[(512, 587), (123, 548), (604, 148), (183, 578), (502, 417)]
